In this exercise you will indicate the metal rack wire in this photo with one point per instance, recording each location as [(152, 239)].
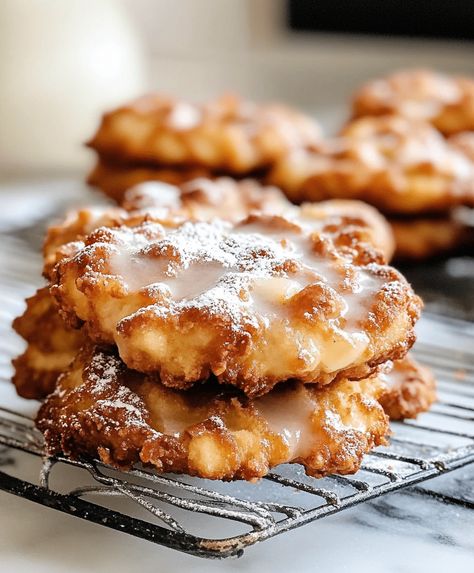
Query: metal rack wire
[(419, 451), (215, 519)]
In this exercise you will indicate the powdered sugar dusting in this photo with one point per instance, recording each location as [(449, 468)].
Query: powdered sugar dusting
[(248, 265), (103, 373), (247, 273)]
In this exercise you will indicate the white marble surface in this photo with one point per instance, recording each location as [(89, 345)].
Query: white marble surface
[(397, 533)]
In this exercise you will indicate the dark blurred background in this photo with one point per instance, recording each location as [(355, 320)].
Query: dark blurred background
[(418, 18)]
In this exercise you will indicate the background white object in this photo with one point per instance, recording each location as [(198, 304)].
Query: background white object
[(62, 63)]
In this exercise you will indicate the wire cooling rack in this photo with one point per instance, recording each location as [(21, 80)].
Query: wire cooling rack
[(216, 519)]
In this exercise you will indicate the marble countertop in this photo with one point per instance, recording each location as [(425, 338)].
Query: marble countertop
[(402, 532)]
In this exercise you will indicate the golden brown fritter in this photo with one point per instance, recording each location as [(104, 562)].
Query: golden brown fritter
[(200, 199), (351, 214), (430, 237), (228, 134), (445, 101), (464, 142), (253, 303), (51, 347), (400, 166), (102, 409), (411, 389), (115, 178), (78, 223), (205, 199)]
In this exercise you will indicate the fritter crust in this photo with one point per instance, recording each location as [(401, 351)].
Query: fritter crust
[(353, 214), (100, 408), (253, 303), (429, 237), (115, 178), (52, 345), (63, 238), (410, 390), (228, 134), (445, 101), (400, 166)]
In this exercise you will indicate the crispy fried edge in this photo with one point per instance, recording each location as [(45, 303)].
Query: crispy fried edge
[(111, 420), (49, 339), (413, 394)]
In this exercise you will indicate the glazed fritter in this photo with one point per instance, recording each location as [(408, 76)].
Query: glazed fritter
[(446, 102), (253, 303), (51, 346), (227, 135), (430, 237), (205, 199), (410, 390), (400, 166), (202, 198), (114, 179), (102, 409)]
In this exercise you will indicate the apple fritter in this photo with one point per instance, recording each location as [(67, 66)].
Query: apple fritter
[(253, 303), (445, 101), (102, 409), (399, 165), (115, 178), (464, 142), (353, 215), (227, 135), (51, 346), (200, 199), (424, 238), (205, 199), (410, 390)]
